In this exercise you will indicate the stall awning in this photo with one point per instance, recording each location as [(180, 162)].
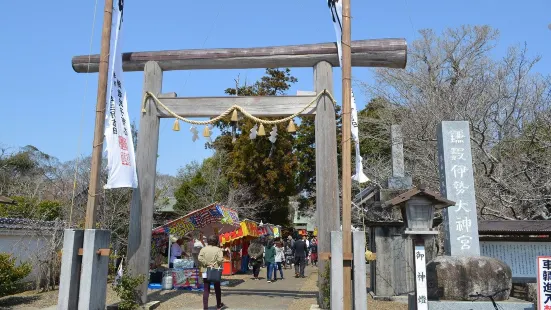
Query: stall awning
[(212, 219), (247, 229), (250, 228)]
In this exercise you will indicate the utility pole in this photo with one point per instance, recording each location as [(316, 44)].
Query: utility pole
[(95, 169), (346, 158)]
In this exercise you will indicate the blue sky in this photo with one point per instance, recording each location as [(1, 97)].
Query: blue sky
[(46, 104)]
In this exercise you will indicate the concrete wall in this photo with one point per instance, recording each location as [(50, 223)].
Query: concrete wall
[(25, 246)]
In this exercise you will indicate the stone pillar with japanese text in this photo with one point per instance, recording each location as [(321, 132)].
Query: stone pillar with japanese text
[(457, 184)]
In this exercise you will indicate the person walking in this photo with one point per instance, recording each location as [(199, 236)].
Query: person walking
[(256, 254), (314, 252), (211, 256), (269, 259), (245, 257), (301, 252), (279, 259)]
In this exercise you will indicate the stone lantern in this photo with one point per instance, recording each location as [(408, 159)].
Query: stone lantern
[(418, 206)]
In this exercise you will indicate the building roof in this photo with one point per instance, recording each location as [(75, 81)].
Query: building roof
[(365, 194), (28, 224), (7, 200), (420, 191), (514, 227), (165, 206), (309, 221)]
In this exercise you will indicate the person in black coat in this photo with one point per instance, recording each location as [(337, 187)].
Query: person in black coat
[(301, 252)]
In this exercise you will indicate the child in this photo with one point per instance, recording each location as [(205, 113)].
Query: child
[(279, 259)]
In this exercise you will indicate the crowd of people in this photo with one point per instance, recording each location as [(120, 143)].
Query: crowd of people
[(279, 254), (275, 254)]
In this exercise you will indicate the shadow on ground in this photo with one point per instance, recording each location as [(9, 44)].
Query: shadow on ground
[(271, 293), (12, 301)]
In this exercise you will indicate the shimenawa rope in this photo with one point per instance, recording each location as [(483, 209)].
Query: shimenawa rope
[(232, 108)]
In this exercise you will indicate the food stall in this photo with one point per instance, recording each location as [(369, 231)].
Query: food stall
[(213, 219), (234, 241)]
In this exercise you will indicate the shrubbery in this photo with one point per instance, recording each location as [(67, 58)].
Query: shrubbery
[(11, 274)]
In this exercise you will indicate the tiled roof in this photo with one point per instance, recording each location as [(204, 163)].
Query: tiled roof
[(514, 227), (18, 223)]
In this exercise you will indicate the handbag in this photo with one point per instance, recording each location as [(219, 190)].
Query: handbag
[(214, 274)]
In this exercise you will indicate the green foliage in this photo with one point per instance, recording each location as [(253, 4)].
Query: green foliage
[(49, 210), (373, 132), (127, 291), (326, 287), (202, 184), (30, 208), (269, 169), (305, 150), (11, 274)]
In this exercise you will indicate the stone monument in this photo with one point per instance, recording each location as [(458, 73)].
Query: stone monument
[(453, 279), (457, 184)]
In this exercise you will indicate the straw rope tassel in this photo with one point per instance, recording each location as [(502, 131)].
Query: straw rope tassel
[(234, 117), (176, 126), (206, 132), (261, 131), (291, 127)]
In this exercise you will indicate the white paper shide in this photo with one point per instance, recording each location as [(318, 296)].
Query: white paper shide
[(121, 164)]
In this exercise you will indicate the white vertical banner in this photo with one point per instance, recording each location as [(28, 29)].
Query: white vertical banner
[(544, 282), (336, 13), (121, 163), (421, 278)]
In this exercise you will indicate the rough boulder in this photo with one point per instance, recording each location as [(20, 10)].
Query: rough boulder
[(455, 277)]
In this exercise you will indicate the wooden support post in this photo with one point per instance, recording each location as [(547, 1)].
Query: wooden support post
[(327, 187), (93, 277), (141, 210), (346, 155), (337, 292), (97, 147), (360, 274), (69, 281)]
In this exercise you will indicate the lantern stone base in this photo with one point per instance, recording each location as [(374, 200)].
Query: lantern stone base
[(510, 304), (457, 277)]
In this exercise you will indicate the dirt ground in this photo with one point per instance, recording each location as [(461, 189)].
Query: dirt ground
[(290, 294)]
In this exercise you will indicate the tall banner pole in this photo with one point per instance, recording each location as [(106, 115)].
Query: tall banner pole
[(346, 156), (97, 147)]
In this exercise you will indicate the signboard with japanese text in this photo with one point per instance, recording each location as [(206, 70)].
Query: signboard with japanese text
[(457, 184), (519, 255), (544, 282), (121, 163), (421, 278)]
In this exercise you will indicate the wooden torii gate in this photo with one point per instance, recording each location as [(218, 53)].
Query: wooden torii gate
[(390, 53)]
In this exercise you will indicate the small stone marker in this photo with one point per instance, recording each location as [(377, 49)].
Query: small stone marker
[(457, 184), (399, 180), (421, 277)]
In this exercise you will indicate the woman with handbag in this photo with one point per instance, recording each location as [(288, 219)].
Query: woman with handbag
[(211, 259)]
